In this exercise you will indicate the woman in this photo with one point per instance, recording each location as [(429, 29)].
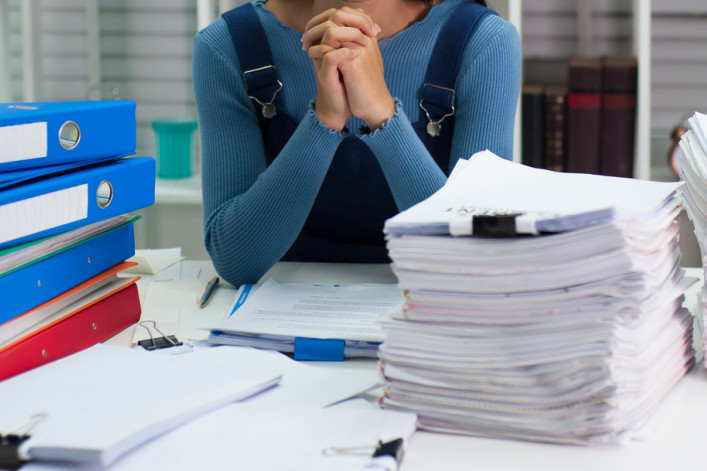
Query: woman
[(321, 118)]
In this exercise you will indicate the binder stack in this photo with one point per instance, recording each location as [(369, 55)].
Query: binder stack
[(67, 187), (693, 161), (540, 305)]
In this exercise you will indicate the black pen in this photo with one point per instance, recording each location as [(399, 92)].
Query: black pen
[(208, 291)]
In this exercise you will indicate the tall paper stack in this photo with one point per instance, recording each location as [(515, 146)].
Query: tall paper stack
[(540, 305), (694, 173)]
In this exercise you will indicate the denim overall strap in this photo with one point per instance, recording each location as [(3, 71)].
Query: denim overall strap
[(437, 95), (260, 77)]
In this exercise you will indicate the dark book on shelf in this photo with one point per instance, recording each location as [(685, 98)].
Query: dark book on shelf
[(533, 127), (618, 116), (584, 115), (555, 128)]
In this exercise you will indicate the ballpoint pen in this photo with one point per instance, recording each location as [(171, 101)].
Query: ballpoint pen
[(208, 291)]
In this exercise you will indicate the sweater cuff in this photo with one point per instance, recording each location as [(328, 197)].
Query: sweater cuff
[(393, 125), (396, 131), (312, 116)]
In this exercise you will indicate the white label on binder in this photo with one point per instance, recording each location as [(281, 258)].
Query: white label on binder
[(39, 213), (23, 142)]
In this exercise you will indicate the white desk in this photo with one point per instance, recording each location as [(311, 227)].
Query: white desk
[(678, 441)]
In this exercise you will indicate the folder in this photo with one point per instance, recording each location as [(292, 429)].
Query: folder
[(84, 324), (46, 277), (44, 314), (50, 133), (19, 256), (75, 198)]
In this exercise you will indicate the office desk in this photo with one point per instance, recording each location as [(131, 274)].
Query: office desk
[(678, 440)]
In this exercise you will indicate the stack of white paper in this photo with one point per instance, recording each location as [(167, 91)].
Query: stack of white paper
[(574, 335), (285, 427), (102, 402), (694, 173)]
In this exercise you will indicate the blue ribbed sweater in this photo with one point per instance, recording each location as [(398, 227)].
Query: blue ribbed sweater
[(252, 214)]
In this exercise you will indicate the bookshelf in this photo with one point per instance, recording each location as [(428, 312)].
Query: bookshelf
[(554, 31)]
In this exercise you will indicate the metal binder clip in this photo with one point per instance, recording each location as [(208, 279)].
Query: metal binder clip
[(156, 343), (434, 127), (392, 448), (10, 456), (268, 108), (385, 455)]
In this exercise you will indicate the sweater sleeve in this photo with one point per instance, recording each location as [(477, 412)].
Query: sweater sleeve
[(252, 214), (486, 89)]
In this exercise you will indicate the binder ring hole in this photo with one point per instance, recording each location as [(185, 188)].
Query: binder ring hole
[(104, 194), (69, 135)]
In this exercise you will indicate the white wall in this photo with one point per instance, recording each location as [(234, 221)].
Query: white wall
[(145, 53)]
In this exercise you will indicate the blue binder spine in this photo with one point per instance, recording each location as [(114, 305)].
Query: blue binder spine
[(50, 133), (32, 285), (65, 201)]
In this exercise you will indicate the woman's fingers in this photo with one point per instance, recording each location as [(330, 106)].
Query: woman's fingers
[(333, 35), (331, 103), (348, 18), (328, 59)]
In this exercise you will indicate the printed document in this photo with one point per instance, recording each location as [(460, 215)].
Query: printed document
[(336, 311)]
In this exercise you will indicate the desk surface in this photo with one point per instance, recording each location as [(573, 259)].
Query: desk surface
[(678, 438)]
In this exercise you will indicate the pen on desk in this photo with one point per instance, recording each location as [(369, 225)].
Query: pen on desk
[(208, 291)]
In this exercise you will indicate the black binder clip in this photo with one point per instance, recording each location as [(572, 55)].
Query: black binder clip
[(156, 343), (391, 451), (499, 225), (392, 448), (10, 456)]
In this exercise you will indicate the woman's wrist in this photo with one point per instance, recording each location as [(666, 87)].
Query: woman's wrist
[(333, 121), (378, 115)]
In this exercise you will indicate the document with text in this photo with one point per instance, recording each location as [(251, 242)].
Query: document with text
[(276, 313)]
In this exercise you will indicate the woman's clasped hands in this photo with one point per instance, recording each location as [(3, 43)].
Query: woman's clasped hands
[(348, 68)]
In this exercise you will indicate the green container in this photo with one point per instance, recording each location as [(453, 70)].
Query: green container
[(174, 147)]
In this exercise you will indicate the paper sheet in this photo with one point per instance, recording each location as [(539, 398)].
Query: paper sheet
[(241, 437), (340, 311), (105, 400), (547, 201), (163, 263), (173, 306)]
